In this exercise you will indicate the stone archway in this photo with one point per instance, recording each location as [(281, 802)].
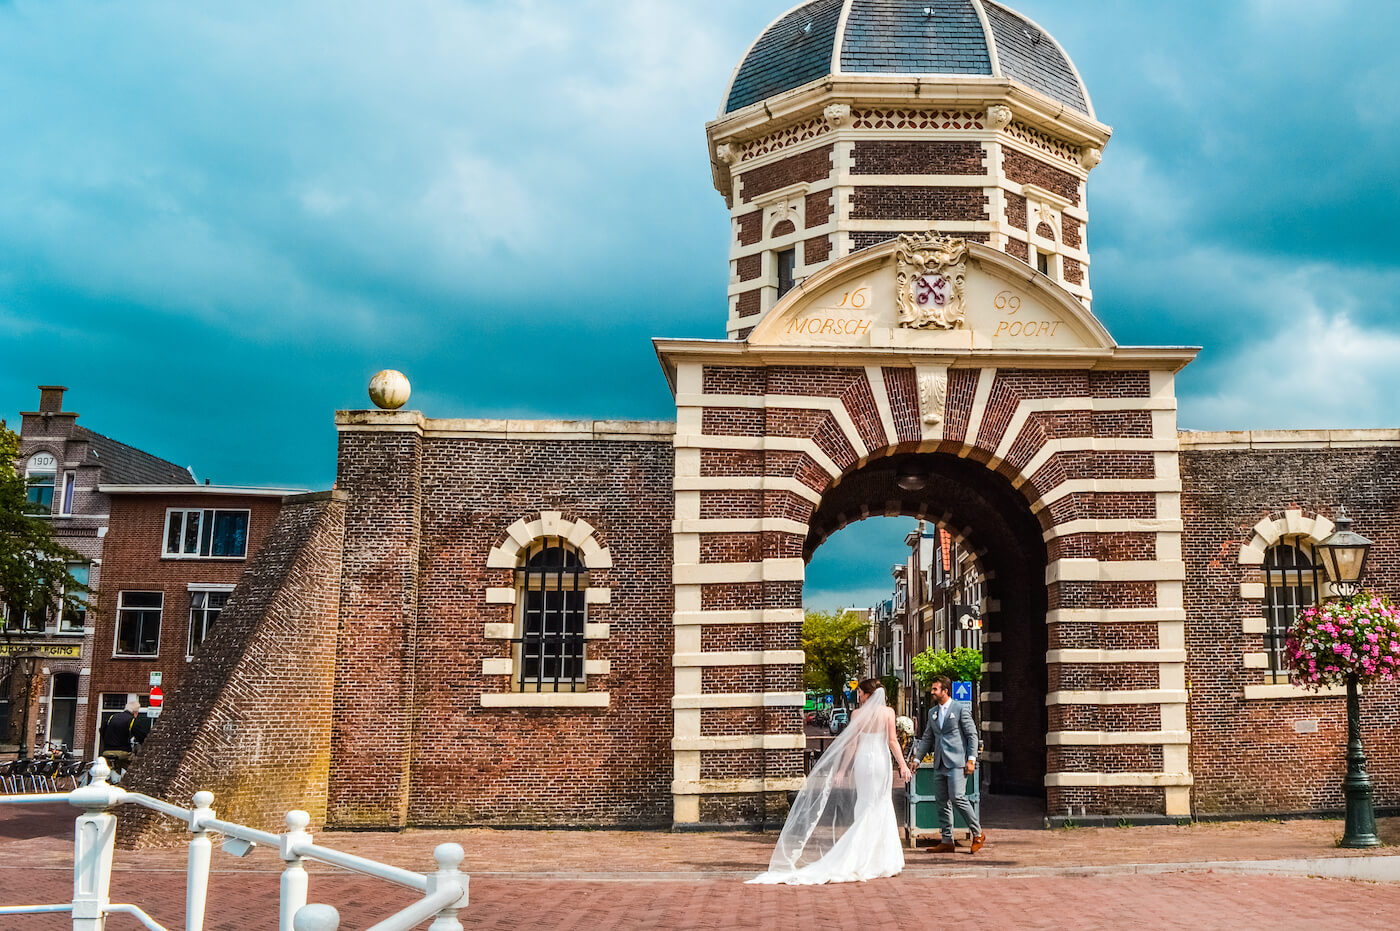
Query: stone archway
[(1020, 383), (995, 519)]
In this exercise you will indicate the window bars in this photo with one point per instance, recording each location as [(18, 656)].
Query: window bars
[(1292, 582), (552, 582)]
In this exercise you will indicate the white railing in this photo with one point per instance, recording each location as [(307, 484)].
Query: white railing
[(444, 891)]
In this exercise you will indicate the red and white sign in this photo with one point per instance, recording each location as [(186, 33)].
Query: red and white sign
[(157, 698)]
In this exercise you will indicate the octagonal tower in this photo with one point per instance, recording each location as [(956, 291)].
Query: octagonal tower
[(848, 122)]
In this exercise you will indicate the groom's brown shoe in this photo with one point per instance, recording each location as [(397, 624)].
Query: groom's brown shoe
[(943, 847), (978, 841)]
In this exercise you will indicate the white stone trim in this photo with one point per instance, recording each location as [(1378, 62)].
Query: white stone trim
[(597, 595), (1289, 439), (500, 596), (1254, 625), (694, 787), (1113, 525), (497, 666), (544, 699), (1289, 690), (745, 483), (1117, 779), (1115, 738), (1124, 697), (741, 742), (1105, 486), (738, 616), (793, 444), (1095, 570), (740, 658), (1077, 444), (789, 569), (1113, 615), (875, 375), (1256, 661), (741, 700), (740, 525), (1116, 656), (985, 379), (831, 405)]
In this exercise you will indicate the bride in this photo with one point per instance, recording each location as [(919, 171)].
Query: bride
[(841, 826)]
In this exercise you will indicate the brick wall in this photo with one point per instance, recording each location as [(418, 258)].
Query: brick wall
[(918, 202), (919, 157), (133, 560), (252, 722), (1247, 754), (470, 764), (812, 165)]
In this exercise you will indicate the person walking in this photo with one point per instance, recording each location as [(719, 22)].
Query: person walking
[(952, 735), (119, 732)]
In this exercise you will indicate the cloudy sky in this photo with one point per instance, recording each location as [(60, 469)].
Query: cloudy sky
[(217, 220)]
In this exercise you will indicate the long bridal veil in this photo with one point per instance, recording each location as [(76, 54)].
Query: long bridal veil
[(825, 808)]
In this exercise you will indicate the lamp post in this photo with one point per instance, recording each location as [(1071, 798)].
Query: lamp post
[(26, 662), (1343, 555)]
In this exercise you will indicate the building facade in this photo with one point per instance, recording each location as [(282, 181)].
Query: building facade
[(64, 465), (172, 557), (600, 623)]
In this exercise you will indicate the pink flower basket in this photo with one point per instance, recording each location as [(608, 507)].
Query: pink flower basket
[(1331, 642)]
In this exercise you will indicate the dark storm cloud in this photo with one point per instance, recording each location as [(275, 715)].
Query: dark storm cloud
[(216, 221)]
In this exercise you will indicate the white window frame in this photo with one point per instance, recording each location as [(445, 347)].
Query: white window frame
[(65, 631), (205, 514), (117, 628), (69, 492), (31, 470), (202, 588)]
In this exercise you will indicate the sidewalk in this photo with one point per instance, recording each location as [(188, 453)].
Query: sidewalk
[(1227, 875)]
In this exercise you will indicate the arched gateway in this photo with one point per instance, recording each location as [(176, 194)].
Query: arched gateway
[(598, 622), (943, 379)]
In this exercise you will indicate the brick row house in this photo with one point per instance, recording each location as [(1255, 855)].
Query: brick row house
[(597, 622), (161, 555)]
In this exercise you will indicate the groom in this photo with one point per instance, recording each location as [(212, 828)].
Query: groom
[(953, 735)]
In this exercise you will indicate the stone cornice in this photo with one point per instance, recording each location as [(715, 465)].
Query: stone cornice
[(471, 428)]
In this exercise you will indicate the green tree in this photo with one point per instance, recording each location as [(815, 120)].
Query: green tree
[(963, 664), (33, 566), (832, 642)]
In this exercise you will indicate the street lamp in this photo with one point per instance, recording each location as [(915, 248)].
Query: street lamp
[(1343, 555), (26, 661)]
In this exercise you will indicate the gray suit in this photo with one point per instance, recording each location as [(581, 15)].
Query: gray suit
[(953, 743)]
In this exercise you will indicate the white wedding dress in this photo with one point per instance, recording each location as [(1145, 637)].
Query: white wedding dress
[(841, 827)]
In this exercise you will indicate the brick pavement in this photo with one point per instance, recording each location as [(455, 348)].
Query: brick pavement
[(620, 879)]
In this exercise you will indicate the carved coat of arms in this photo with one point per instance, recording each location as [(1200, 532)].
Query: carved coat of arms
[(931, 276)]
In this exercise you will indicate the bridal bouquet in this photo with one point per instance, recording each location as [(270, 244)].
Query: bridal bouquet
[(905, 725), (1332, 642)]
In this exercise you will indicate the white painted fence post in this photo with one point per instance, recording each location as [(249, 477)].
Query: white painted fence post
[(294, 879), (197, 874), (94, 840), (449, 858)]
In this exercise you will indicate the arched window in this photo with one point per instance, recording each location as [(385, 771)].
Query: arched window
[(1292, 582), (551, 579)]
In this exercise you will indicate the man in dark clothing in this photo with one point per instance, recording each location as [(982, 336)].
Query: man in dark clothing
[(119, 732)]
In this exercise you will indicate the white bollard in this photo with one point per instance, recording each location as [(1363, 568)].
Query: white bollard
[(197, 874), (316, 918), (449, 858), (294, 879)]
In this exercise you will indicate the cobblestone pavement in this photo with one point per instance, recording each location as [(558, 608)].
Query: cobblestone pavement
[(636, 879)]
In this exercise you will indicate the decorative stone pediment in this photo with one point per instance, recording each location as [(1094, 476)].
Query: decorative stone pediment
[(923, 292)]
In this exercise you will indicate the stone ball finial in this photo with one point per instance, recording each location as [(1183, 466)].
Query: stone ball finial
[(297, 820), (389, 390)]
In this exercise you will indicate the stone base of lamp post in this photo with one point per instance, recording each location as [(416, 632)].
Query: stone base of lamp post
[(1361, 813)]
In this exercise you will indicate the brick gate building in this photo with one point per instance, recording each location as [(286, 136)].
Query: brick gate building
[(599, 622)]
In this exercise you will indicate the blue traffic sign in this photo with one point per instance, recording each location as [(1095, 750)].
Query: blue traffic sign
[(962, 691)]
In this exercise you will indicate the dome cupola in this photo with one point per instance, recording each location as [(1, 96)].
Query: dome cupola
[(942, 38), (849, 122)]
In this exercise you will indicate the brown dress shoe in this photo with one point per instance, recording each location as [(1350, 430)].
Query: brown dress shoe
[(978, 841), (943, 847)]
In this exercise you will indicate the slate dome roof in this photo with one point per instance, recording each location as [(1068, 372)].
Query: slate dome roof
[(914, 37)]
